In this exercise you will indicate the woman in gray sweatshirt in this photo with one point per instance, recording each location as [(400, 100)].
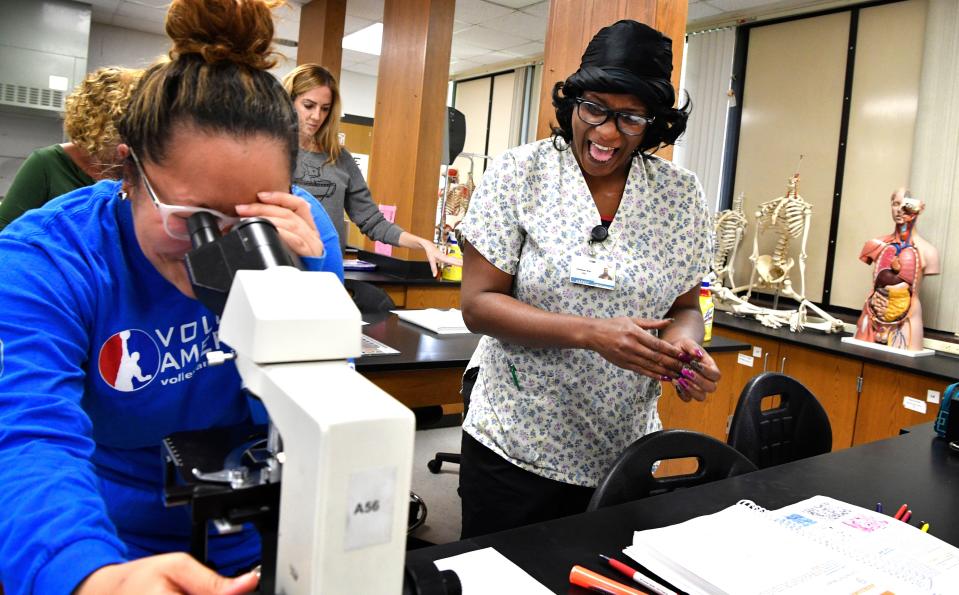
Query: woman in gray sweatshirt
[(327, 171)]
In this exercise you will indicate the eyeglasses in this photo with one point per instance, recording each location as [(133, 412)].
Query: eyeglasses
[(595, 115), (175, 216)]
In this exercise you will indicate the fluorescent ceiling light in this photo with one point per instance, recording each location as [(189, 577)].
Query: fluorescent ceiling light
[(367, 40)]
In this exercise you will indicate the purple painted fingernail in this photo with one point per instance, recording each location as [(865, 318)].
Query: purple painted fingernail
[(682, 382), (683, 357), (699, 353), (665, 378), (687, 373)]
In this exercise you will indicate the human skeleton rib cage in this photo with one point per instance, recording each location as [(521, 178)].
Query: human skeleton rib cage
[(789, 218)]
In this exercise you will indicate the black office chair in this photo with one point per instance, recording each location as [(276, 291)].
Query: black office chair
[(797, 428), (631, 476), (436, 464), (369, 298)]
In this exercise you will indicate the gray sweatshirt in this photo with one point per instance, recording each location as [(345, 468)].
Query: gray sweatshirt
[(340, 186)]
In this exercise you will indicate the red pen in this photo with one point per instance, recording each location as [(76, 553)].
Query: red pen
[(596, 582), (645, 581), (905, 518), (900, 512)]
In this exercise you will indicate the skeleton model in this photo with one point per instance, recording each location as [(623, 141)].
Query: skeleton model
[(788, 217), (729, 227)]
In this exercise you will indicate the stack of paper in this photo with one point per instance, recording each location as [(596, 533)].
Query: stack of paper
[(819, 545), (443, 322)]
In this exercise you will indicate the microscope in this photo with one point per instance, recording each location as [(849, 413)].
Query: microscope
[(326, 482)]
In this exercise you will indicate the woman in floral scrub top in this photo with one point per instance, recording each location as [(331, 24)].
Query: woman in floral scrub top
[(570, 368)]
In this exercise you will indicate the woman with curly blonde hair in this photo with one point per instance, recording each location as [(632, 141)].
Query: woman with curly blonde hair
[(92, 110)]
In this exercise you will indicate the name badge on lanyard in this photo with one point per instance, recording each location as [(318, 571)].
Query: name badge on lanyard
[(586, 270)]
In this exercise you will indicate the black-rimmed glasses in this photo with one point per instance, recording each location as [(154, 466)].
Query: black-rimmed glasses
[(595, 114)]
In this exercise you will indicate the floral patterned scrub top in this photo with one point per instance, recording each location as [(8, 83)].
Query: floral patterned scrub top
[(567, 414)]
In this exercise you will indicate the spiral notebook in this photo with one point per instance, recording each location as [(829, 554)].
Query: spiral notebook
[(819, 545)]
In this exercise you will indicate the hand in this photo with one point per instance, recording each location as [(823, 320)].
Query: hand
[(433, 254), (699, 376), (292, 217), (167, 573), (628, 343)]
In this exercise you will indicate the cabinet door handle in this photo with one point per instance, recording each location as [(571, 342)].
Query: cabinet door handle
[(782, 366), (765, 359)]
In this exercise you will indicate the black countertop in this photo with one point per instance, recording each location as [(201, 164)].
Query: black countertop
[(421, 349), (391, 270), (942, 365), (916, 468)]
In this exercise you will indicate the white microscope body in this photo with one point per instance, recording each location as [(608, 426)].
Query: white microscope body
[(347, 446)]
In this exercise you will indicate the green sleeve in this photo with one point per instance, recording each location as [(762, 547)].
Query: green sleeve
[(30, 189)]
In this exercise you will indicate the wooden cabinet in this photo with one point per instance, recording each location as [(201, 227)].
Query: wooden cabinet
[(881, 409), (707, 417), (835, 382)]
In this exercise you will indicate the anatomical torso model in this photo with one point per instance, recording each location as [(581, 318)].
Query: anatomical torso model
[(892, 314)]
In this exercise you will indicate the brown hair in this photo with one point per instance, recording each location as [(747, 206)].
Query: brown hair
[(306, 77), (215, 79), (93, 109)]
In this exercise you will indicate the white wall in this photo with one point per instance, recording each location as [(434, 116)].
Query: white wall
[(19, 136), (359, 93), (116, 46)]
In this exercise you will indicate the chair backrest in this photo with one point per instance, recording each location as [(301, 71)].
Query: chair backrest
[(631, 476), (796, 429), (369, 298)]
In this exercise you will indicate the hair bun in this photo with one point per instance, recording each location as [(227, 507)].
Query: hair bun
[(239, 31)]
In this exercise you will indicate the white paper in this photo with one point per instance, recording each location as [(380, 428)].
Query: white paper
[(914, 404), (486, 571), (371, 346), (757, 351), (744, 360), (932, 396), (443, 322), (822, 546)]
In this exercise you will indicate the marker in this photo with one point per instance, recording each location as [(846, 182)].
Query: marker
[(879, 507), (596, 582), (905, 518), (925, 528), (900, 512), (641, 579), (512, 371)]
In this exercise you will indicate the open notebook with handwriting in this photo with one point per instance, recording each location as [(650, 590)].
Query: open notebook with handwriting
[(819, 545)]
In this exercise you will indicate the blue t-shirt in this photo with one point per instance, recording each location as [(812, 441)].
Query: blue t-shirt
[(100, 359)]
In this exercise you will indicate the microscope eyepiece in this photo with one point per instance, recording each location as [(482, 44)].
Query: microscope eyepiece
[(203, 229)]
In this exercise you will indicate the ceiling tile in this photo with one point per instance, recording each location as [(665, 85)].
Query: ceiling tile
[(734, 5), (371, 68), (521, 25), (355, 57), (515, 4), (495, 58), (477, 11), (528, 50), (354, 24), (365, 9), (701, 10), (462, 66), (492, 39), (540, 9), (138, 25), (142, 11), (464, 49)]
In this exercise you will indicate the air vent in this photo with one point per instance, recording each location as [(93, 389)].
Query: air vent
[(33, 97)]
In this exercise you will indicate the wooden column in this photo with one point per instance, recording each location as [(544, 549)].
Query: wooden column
[(572, 23), (321, 34), (410, 110)]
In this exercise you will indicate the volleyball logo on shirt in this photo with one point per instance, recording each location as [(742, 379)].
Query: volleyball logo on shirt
[(129, 360)]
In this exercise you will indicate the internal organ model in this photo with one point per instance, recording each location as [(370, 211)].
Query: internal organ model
[(892, 314)]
